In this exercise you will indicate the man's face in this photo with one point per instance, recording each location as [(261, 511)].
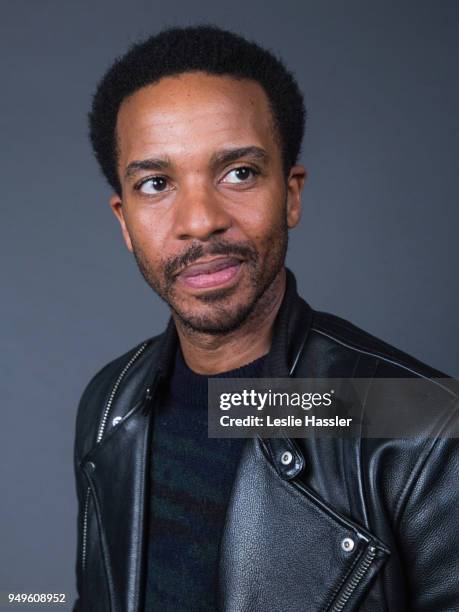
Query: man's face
[(205, 207)]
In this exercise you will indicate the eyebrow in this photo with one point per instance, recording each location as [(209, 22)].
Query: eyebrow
[(226, 156), (219, 158)]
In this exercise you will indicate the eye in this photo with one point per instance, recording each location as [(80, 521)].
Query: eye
[(240, 175), (152, 185)]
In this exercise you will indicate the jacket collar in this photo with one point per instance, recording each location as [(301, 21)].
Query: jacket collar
[(290, 332)]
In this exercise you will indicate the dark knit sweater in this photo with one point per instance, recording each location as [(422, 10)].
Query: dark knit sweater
[(190, 484)]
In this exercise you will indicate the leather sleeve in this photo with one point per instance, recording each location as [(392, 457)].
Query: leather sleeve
[(429, 526), (86, 422), (80, 511)]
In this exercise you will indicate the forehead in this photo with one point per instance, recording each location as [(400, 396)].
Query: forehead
[(194, 114)]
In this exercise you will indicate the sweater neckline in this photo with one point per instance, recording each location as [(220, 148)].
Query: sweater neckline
[(190, 387)]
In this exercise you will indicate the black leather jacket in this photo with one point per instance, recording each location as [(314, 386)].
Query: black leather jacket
[(397, 500)]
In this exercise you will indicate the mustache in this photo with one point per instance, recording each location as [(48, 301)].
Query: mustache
[(197, 251)]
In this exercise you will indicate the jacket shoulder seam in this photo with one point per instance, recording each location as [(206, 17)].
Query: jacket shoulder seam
[(381, 357)]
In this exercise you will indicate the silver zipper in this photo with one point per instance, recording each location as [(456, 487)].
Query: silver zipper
[(115, 389), (100, 433), (85, 529), (355, 579)]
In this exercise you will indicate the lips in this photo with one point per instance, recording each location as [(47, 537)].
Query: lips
[(210, 267), (217, 272)]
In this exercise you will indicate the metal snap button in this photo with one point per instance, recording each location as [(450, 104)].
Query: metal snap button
[(91, 465), (116, 420), (286, 458), (348, 544)]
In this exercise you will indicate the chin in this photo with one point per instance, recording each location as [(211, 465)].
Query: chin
[(215, 319)]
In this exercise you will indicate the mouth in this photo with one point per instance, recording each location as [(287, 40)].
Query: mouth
[(216, 272)]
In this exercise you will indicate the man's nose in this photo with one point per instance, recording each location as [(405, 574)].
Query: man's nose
[(200, 213)]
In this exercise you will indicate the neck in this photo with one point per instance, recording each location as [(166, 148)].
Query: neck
[(212, 354)]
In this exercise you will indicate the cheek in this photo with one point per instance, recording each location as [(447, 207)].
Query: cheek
[(263, 222), (148, 234)]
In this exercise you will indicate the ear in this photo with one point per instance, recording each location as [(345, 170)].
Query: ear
[(296, 179), (116, 205)]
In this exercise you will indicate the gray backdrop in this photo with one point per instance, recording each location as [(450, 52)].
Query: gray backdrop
[(377, 243)]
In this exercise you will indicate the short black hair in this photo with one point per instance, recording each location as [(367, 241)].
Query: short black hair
[(178, 50)]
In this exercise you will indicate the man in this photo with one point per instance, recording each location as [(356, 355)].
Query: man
[(198, 132)]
